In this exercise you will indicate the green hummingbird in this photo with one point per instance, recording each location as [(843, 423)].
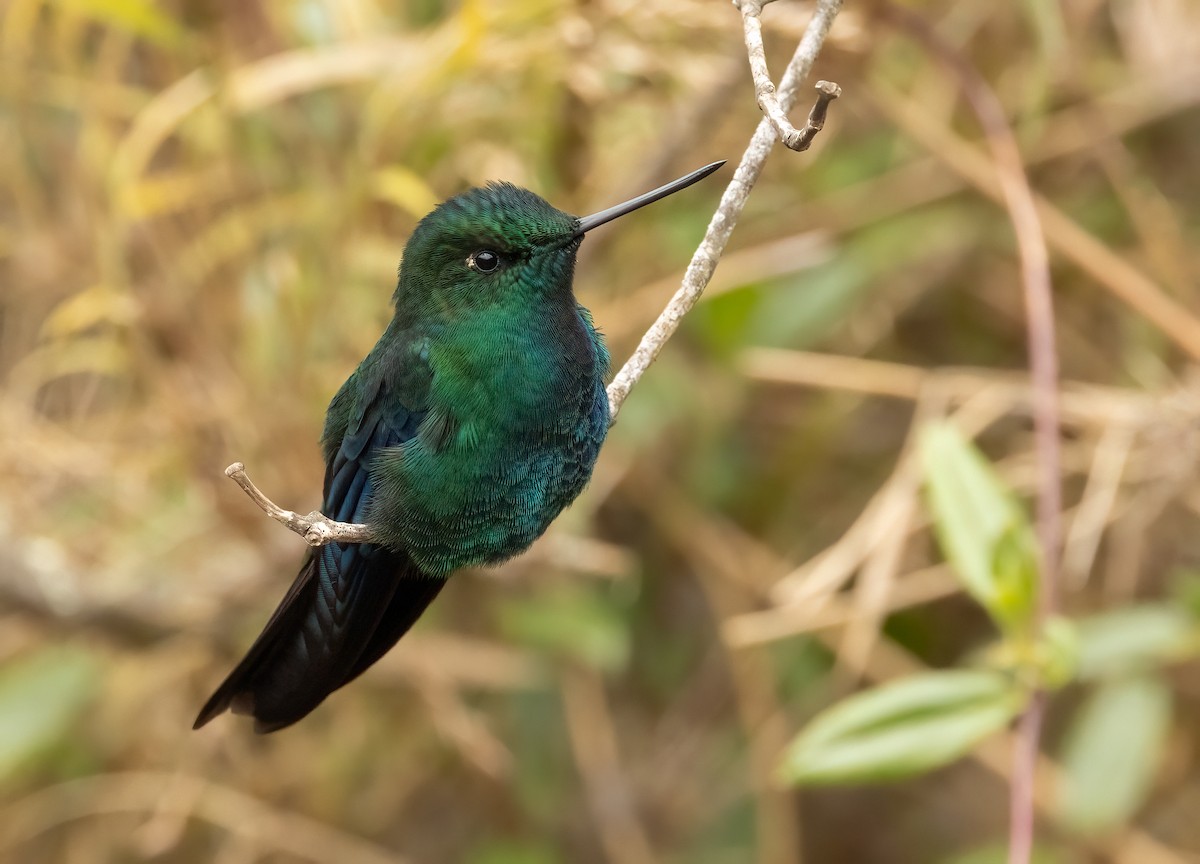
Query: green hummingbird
[(476, 418)]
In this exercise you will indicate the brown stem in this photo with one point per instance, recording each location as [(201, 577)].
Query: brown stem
[(1043, 362)]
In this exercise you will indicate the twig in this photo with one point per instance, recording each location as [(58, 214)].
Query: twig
[(1043, 361), (733, 201), (764, 88), (317, 529)]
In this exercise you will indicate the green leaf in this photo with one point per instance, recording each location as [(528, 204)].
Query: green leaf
[(1112, 752), (41, 695), (903, 728), (1135, 638), (982, 529)]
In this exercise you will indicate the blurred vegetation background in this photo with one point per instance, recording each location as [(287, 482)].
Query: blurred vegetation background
[(202, 205)]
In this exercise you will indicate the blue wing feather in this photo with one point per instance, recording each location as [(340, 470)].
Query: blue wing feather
[(349, 603)]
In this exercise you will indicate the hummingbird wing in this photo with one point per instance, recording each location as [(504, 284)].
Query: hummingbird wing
[(350, 602)]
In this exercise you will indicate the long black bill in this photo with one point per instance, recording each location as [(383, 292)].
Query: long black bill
[(587, 223)]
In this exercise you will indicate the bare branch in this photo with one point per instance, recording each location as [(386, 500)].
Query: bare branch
[(764, 88), (733, 201), (316, 528)]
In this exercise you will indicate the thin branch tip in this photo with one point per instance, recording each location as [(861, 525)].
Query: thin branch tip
[(316, 528), (801, 139), (764, 88)]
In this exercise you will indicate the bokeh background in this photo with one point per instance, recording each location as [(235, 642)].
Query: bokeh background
[(202, 205)]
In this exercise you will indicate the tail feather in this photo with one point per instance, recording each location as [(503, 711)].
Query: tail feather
[(413, 595), (328, 629)]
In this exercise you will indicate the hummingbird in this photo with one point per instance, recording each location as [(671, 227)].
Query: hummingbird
[(476, 418)]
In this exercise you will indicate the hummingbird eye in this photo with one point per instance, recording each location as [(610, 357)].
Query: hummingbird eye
[(484, 261)]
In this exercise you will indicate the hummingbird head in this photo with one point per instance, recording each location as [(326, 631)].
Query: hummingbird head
[(487, 246), (501, 244)]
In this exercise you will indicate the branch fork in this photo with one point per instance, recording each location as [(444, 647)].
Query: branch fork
[(316, 528), (764, 88)]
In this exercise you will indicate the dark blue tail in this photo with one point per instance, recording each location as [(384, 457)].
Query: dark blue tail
[(348, 606)]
